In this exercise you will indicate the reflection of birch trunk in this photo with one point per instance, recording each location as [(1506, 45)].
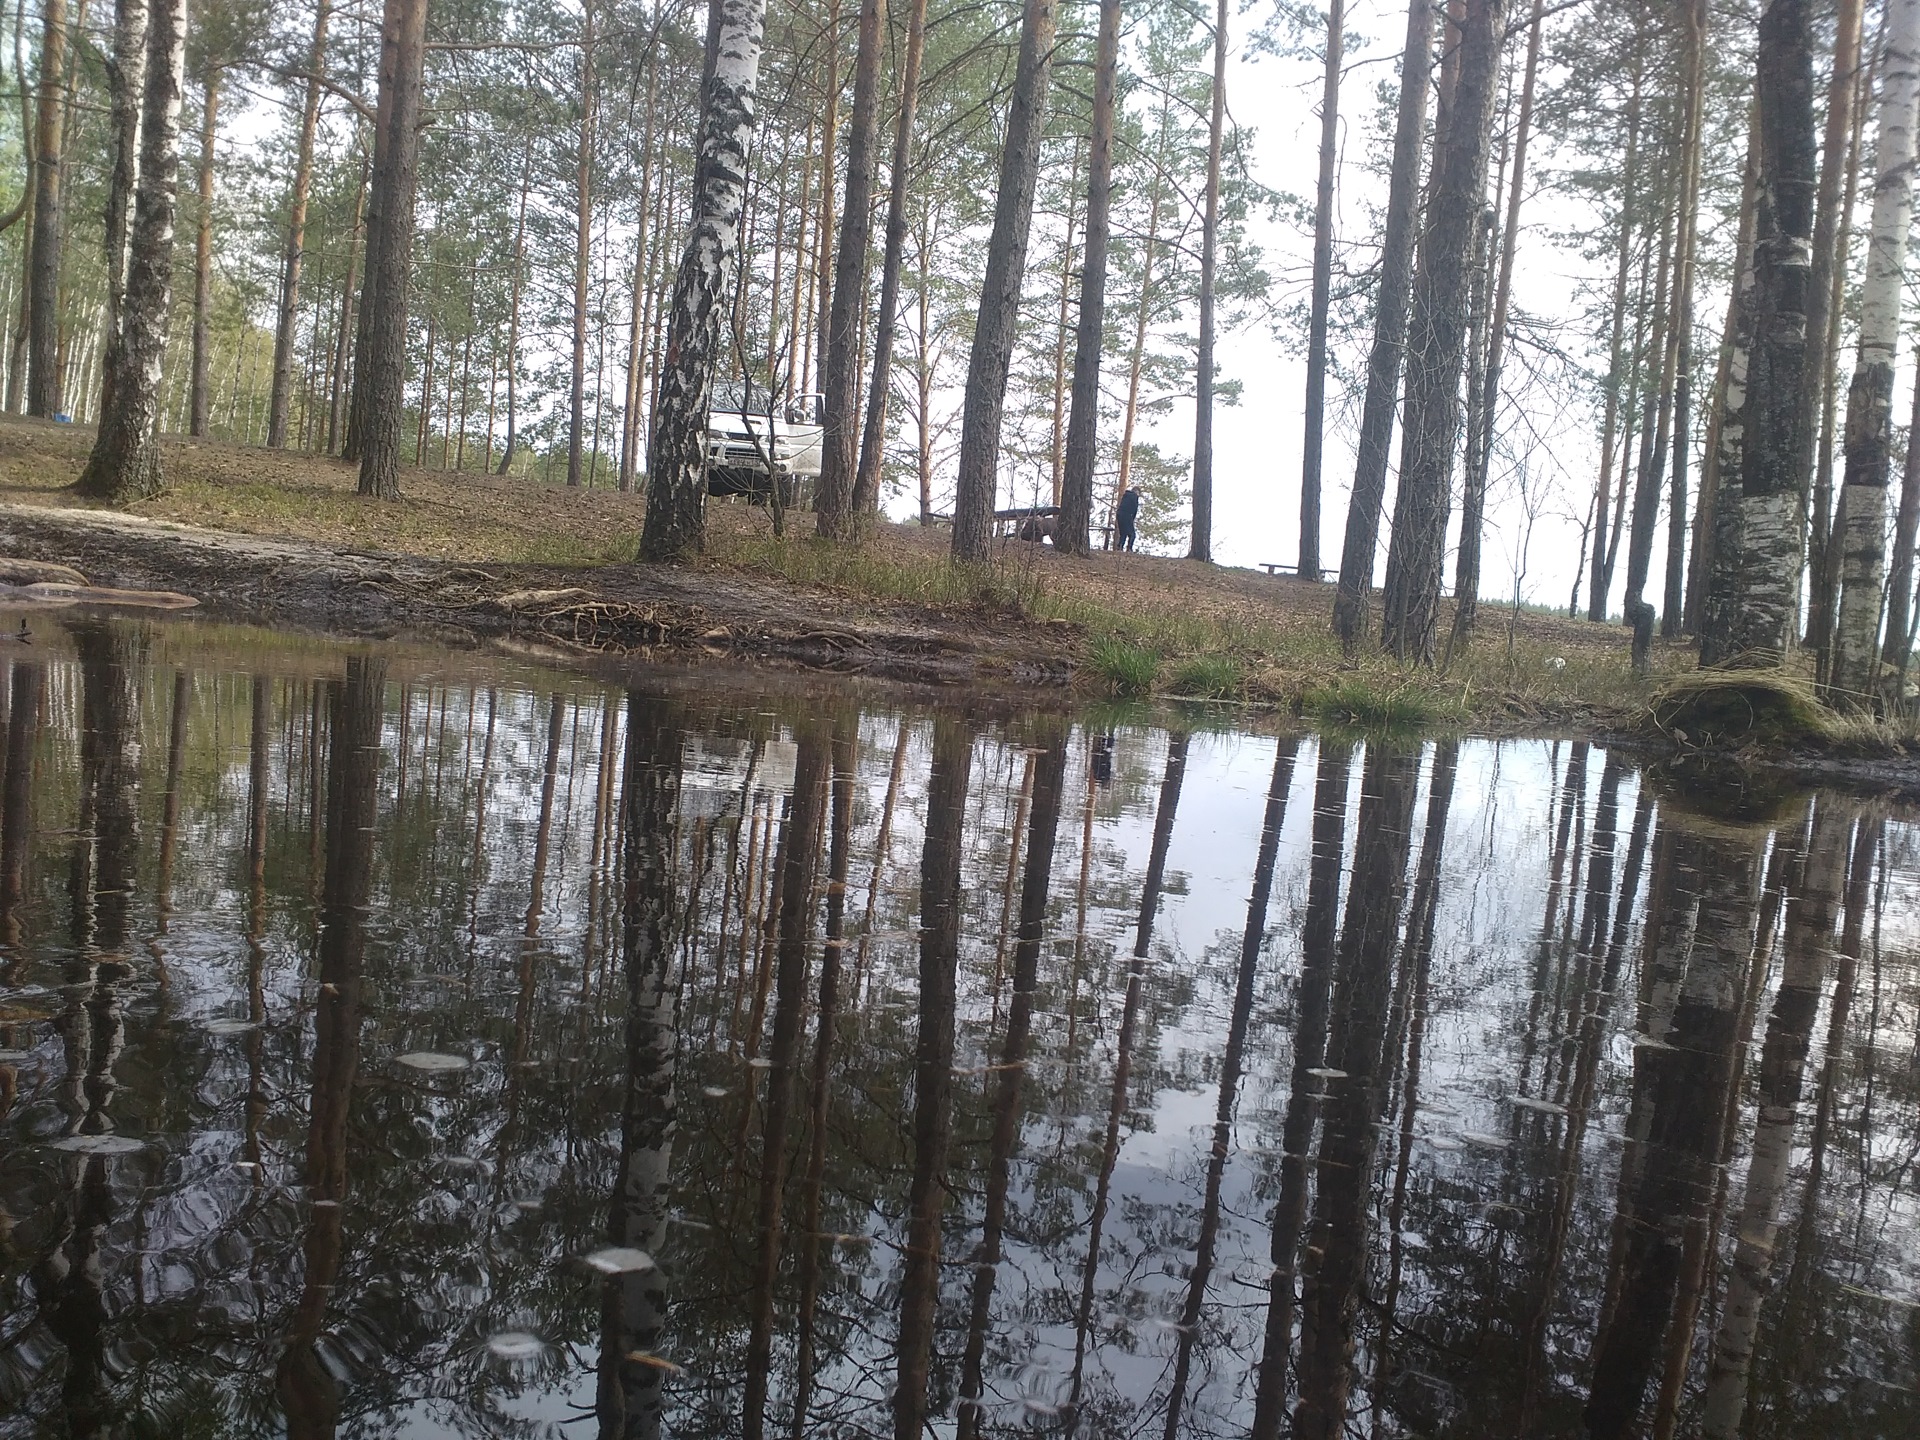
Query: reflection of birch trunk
[(798, 854), (1329, 1304), (880, 843), (309, 1391), (932, 1068), (1303, 1098), (1808, 942), (633, 1305), (839, 830), (1021, 811), (1251, 941), (1169, 803), (1684, 1080), (1043, 784), (256, 1110)]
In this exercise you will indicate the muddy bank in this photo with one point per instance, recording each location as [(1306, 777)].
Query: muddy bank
[(642, 611)]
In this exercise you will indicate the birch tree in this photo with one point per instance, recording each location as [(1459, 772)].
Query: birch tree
[(676, 451), (125, 463), (43, 280), (1862, 516)]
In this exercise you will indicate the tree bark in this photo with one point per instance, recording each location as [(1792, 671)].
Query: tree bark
[(1473, 488), (125, 463), (1673, 599), (1601, 582), (383, 298), (873, 440), (49, 221), (1322, 300), (1905, 526), (1773, 478), (977, 483), (339, 396), (1389, 333), (1200, 537), (1853, 675), (676, 450), (203, 260), (636, 336), (583, 252), (822, 274), (1436, 337), (126, 82), (834, 507), (283, 334), (513, 311)]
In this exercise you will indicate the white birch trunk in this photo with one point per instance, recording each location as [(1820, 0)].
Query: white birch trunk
[(676, 455), (125, 463), (1869, 433)]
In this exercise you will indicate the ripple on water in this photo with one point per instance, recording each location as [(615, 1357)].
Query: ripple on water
[(433, 1061)]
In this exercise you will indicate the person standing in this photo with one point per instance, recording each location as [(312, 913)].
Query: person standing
[(1125, 518)]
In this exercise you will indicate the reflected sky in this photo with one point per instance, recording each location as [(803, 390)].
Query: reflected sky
[(401, 1043)]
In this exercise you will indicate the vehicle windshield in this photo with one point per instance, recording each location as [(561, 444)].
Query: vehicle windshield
[(736, 397)]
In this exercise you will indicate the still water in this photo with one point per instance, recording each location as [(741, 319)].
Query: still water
[(401, 1043)]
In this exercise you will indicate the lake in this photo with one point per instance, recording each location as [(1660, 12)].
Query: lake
[(433, 1043)]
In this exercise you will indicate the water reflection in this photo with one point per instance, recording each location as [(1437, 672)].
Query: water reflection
[(392, 1049)]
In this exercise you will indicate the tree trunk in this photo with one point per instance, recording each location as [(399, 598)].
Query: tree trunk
[(1862, 518), (1773, 478), (43, 281), (338, 394), (1653, 448), (203, 260), (1473, 493), (1905, 526), (283, 334), (977, 483), (1600, 583), (125, 463), (383, 299), (513, 311), (1322, 300), (1673, 600), (583, 252), (1466, 585), (1389, 333), (676, 451), (873, 441), (630, 417), (822, 276), (834, 504), (126, 81), (1847, 89), (1436, 337), (1200, 540), (1083, 412), (1058, 430)]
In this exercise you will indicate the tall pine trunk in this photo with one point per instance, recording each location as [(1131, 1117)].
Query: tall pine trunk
[(1389, 333), (203, 260), (676, 451), (1765, 569), (49, 221), (583, 253), (636, 335), (516, 286), (382, 366), (977, 483), (840, 377), (126, 83), (283, 332), (1322, 301), (1905, 527), (125, 463), (1200, 539), (1437, 341), (1601, 580), (1083, 410), (1479, 458), (1862, 518), (1673, 599), (866, 484)]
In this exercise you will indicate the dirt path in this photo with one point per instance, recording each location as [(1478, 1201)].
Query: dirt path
[(619, 608)]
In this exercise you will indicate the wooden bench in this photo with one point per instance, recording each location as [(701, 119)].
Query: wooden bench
[(1273, 568)]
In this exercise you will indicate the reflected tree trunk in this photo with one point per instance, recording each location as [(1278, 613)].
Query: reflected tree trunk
[(633, 1305), (1303, 1098), (309, 1391), (1049, 780), (932, 1068), (1252, 940), (799, 854), (1363, 989), (1683, 1074), (25, 686)]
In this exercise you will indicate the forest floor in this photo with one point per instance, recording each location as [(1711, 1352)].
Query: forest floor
[(281, 538)]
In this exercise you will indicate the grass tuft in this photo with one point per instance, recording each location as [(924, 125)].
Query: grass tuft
[(1364, 705), (1731, 709), (1214, 677), (1127, 669)]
